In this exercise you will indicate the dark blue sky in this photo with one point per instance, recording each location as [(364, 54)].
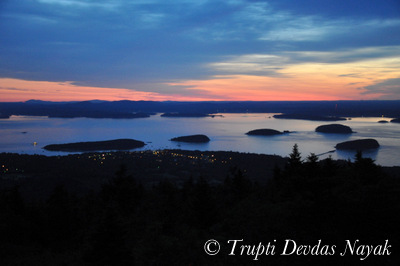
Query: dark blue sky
[(178, 47)]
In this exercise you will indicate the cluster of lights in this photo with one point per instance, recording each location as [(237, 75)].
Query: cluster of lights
[(6, 169)]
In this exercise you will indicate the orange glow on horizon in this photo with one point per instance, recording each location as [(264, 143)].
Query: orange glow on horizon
[(295, 82), (308, 81), (16, 90), (258, 88)]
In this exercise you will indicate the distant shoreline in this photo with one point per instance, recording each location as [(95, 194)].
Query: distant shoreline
[(309, 117), (141, 109)]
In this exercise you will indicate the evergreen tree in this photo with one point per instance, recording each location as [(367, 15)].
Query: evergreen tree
[(312, 165), (365, 168), (108, 242), (312, 158), (329, 167), (294, 158), (123, 191)]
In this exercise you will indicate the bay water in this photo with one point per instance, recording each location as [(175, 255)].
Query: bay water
[(28, 135)]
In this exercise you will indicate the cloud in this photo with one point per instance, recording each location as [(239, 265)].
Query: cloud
[(387, 90), (361, 59), (81, 4), (3, 89), (301, 75), (316, 28), (298, 29), (256, 64), (346, 55), (340, 8)]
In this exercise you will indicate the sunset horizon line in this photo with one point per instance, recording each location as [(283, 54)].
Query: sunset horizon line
[(195, 101)]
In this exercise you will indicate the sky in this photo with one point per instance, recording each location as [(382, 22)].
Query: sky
[(186, 50)]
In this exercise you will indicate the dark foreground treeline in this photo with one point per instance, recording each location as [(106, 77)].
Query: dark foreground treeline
[(126, 223)]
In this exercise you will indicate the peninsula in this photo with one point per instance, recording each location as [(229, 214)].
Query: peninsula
[(118, 144)]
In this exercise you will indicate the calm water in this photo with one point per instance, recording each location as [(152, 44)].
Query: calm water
[(227, 133)]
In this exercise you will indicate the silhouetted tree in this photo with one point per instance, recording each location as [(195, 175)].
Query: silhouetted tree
[(329, 167), (312, 159), (203, 204), (108, 243), (365, 168), (61, 218), (311, 164), (277, 172), (12, 211), (294, 161), (122, 191)]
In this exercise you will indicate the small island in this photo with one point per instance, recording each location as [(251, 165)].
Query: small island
[(265, 132), (192, 138), (358, 145), (383, 121), (334, 128), (118, 144), (309, 117)]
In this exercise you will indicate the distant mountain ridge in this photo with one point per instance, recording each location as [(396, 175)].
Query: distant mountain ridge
[(133, 109)]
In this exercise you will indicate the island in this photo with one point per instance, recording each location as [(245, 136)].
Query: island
[(396, 120), (192, 138), (117, 144), (358, 145), (383, 121), (265, 132), (309, 117), (334, 128)]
